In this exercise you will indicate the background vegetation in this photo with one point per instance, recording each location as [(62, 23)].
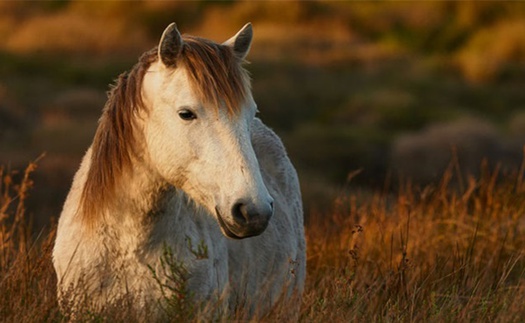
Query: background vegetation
[(373, 100)]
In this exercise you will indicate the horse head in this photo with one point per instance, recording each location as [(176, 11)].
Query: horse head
[(197, 128)]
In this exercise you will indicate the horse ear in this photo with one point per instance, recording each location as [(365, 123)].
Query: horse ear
[(241, 42), (170, 45)]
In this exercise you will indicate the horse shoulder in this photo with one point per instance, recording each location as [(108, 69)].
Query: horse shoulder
[(69, 231)]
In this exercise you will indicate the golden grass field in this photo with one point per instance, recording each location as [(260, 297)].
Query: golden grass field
[(438, 253)]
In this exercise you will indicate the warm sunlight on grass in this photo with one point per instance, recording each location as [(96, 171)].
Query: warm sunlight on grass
[(444, 252), (438, 253)]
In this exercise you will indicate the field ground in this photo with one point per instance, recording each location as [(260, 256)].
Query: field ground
[(438, 253)]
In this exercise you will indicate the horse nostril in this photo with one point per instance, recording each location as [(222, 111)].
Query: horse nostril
[(239, 212), (249, 214)]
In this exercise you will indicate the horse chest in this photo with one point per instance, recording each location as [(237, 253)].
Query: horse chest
[(195, 242)]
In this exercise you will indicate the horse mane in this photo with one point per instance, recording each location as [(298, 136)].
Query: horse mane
[(218, 80), (215, 73)]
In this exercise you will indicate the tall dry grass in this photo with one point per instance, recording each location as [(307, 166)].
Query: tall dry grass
[(439, 253), (432, 254), (27, 279)]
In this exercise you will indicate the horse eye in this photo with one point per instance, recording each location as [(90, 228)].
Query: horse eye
[(187, 115)]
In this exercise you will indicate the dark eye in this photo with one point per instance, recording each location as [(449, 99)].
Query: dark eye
[(187, 115)]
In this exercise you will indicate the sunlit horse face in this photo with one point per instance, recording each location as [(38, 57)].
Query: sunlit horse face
[(202, 149)]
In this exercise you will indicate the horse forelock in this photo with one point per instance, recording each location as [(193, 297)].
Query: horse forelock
[(215, 75)]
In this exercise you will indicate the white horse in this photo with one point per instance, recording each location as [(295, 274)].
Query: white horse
[(179, 157)]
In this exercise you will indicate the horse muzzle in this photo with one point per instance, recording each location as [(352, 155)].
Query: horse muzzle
[(245, 219)]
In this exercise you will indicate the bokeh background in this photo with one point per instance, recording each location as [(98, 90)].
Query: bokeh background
[(363, 94)]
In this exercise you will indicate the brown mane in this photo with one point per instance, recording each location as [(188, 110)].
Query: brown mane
[(216, 76)]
